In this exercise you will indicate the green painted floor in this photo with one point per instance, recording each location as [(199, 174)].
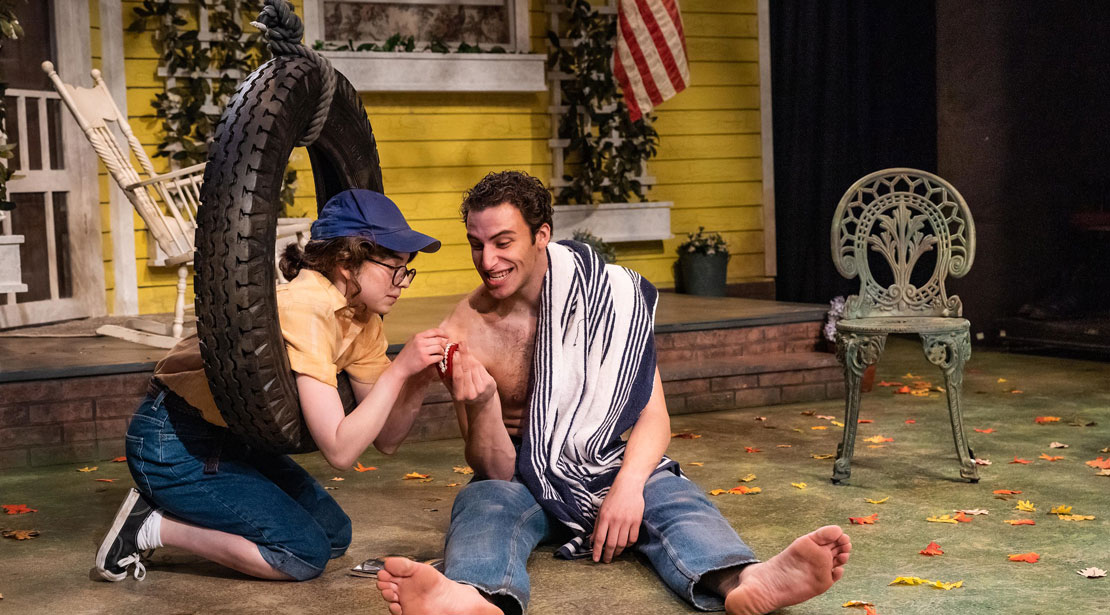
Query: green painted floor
[(917, 471)]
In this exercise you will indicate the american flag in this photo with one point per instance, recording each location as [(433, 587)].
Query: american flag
[(650, 59)]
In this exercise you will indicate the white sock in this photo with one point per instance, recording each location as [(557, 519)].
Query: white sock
[(150, 533)]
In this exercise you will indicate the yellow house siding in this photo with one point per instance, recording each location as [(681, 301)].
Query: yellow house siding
[(433, 146)]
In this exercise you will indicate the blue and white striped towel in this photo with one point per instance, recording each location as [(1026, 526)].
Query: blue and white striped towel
[(592, 374)]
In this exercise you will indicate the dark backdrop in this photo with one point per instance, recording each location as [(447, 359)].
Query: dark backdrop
[(854, 91)]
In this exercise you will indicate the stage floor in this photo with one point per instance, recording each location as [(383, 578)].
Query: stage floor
[(70, 349)]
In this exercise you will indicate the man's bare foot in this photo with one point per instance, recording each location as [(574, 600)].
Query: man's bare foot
[(807, 568), (418, 589)]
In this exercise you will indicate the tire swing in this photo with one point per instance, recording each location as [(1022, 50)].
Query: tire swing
[(296, 98)]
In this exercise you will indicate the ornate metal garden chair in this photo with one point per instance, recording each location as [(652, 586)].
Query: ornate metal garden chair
[(166, 202), (902, 218)]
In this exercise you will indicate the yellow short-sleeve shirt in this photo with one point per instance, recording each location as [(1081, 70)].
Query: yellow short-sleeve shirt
[(321, 338)]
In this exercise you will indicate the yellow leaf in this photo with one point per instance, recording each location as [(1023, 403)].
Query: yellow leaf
[(1075, 517), (816, 456), (337, 478), (463, 469), (837, 423), (879, 439), (942, 519), (19, 534), (415, 476), (1001, 380), (783, 446), (1026, 506), (452, 484), (908, 581), (852, 603), (799, 485), (820, 427), (1060, 510), (88, 469), (947, 586), (718, 491), (747, 478), (697, 463), (870, 501)]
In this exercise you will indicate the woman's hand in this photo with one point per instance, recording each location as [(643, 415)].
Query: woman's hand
[(424, 349), (618, 521), (470, 383)]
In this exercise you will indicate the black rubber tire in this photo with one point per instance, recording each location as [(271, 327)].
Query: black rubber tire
[(236, 303)]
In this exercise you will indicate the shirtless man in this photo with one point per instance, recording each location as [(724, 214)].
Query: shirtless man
[(496, 522)]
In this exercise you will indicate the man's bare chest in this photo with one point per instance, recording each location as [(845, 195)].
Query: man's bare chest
[(506, 352)]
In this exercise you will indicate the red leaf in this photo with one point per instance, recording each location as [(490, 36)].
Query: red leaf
[(962, 518), (987, 430), (865, 421), (120, 459), (910, 421), (17, 509), (932, 549), (1100, 463), (904, 390), (1046, 419), (362, 468), (105, 480), (1022, 461), (751, 449), (1007, 491), (868, 520), (1030, 557)]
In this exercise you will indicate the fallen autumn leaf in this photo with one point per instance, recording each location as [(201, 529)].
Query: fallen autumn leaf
[(1031, 558), (932, 549)]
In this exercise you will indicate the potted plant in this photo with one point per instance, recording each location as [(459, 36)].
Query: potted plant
[(835, 313), (604, 250), (703, 264)]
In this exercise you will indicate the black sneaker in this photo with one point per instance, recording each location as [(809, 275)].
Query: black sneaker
[(118, 551)]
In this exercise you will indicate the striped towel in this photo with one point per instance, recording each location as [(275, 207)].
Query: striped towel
[(592, 375)]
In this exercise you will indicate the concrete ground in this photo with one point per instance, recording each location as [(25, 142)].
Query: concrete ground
[(917, 470)]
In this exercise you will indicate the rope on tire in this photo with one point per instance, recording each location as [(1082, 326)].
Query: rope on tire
[(283, 30)]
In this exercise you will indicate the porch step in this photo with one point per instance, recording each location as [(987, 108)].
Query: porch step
[(748, 381)]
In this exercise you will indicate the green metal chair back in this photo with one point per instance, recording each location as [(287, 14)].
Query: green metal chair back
[(902, 214)]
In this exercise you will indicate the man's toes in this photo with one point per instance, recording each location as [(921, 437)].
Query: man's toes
[(384, 576), (837, 573), (399, 567), (827, 535), (840, 559), (395, 608), (844, 542), (390, 595)]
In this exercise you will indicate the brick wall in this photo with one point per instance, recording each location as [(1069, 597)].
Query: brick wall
[(84, 419), (67, 420)]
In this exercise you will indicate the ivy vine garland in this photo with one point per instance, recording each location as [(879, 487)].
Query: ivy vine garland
[(607, 150), (204, 73)]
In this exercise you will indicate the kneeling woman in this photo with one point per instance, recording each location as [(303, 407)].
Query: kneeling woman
[(202, 489)]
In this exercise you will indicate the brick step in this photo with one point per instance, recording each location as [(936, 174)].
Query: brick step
[(747, 381)]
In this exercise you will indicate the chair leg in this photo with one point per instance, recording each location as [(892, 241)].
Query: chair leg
[(179, 306), (949, 352), (855, 351)]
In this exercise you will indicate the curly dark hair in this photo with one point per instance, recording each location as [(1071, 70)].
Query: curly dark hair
[(523, 191), (324, 255)]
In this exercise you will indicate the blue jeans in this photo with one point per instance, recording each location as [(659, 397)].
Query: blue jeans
[(202, 474), (496, 524)]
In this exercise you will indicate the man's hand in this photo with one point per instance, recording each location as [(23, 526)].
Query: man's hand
[(470, 383), (424, 349), (618, 521)]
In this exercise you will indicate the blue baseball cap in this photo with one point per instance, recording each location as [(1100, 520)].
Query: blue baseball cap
[(369, 214)]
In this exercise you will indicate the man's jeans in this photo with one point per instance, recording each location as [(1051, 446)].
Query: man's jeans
[(496, 524), (202, 474)]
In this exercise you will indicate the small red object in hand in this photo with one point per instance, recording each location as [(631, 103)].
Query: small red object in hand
[(444, 365)]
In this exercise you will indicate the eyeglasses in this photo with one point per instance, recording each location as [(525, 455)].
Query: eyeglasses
[(401, 274)]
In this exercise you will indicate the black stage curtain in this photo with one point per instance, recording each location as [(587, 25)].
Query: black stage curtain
[(854, 91)]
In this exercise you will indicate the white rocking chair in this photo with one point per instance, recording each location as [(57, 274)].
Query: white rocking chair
[(172, 225)]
